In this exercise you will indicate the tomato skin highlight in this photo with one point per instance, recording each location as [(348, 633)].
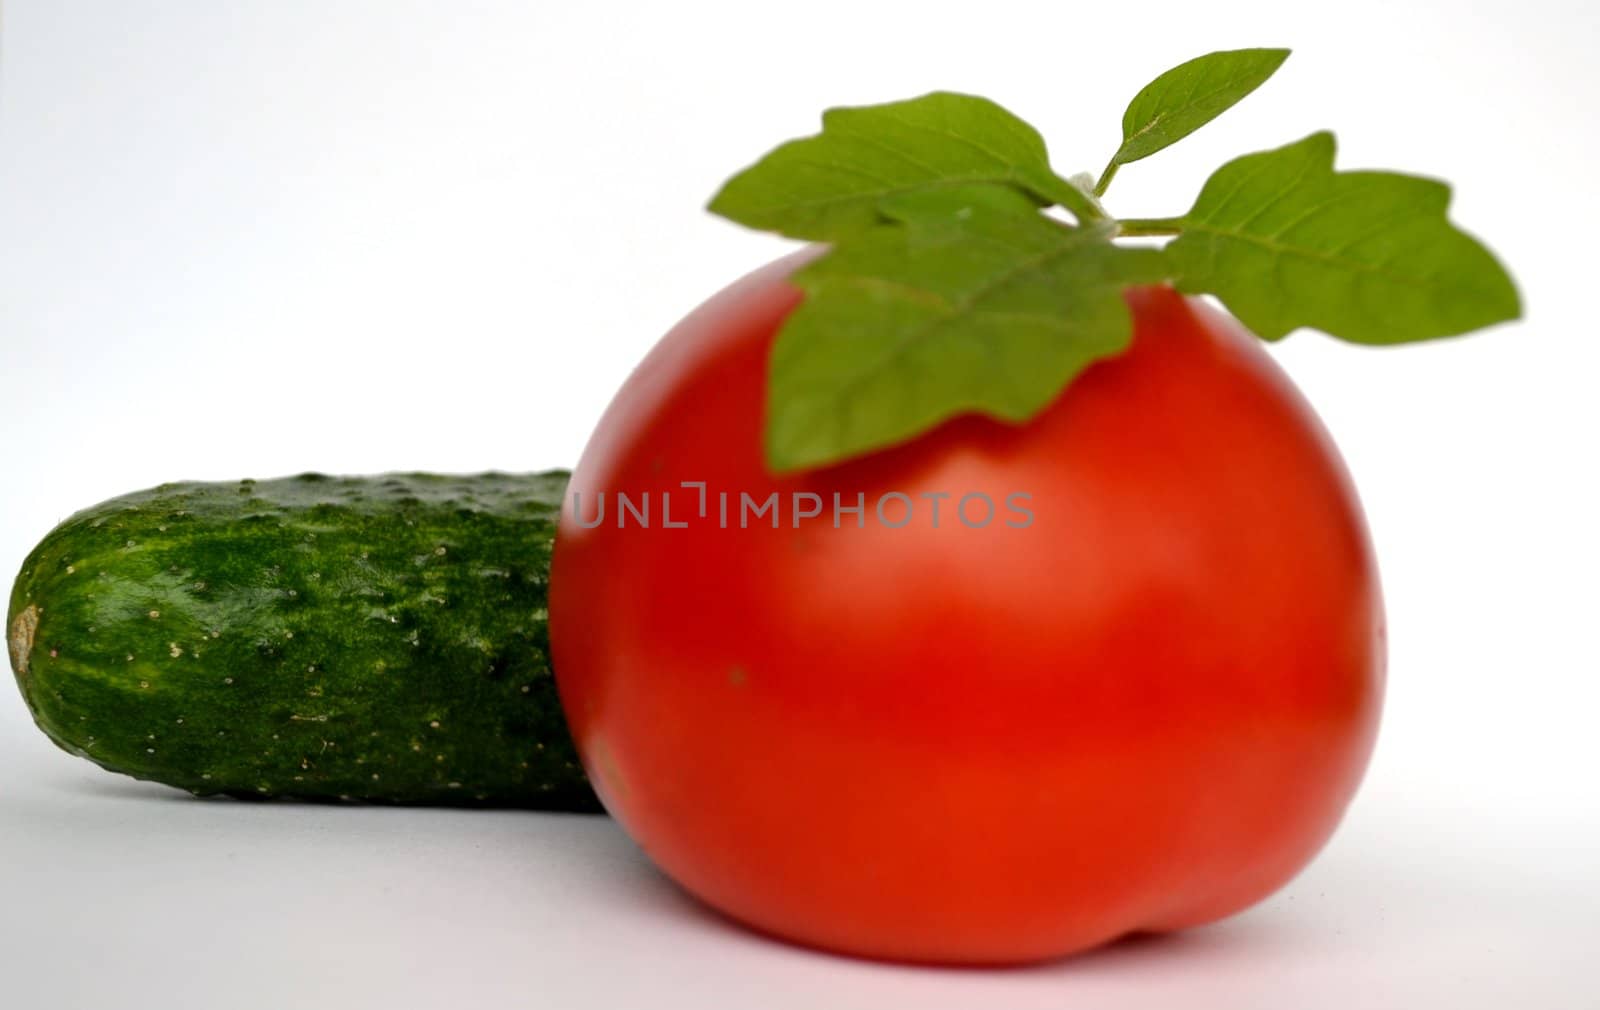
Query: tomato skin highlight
[(1145, 710)]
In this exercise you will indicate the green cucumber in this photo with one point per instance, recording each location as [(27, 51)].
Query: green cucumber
[(379, 639)]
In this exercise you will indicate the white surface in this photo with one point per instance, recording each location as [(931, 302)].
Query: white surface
[(256, 238), (125, 894)]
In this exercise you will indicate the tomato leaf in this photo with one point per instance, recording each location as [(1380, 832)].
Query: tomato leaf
[(946, 290), (1285, 241), (829, 185), (1189, 96), (966, 301)]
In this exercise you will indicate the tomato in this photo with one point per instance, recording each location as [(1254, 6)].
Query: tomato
[(1142, 706)]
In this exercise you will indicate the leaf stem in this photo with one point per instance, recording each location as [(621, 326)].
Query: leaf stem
[(1081, 204), (1106, 177), (1150, 226)]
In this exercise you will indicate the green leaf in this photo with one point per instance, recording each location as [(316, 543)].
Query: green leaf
[(968, 301), (1285, 241), (1189, 96), (830, 185)]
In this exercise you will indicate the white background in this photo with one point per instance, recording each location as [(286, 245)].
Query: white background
[(254, 238)]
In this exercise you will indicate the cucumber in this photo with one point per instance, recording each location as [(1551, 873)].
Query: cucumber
[(379, 639)]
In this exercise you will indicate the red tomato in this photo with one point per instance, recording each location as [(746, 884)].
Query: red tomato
[(1143, 709)]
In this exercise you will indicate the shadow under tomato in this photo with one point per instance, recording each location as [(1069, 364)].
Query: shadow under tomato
[(1129, 954)]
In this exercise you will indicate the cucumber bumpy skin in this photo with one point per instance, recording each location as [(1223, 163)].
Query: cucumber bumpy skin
[(379, 639)]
